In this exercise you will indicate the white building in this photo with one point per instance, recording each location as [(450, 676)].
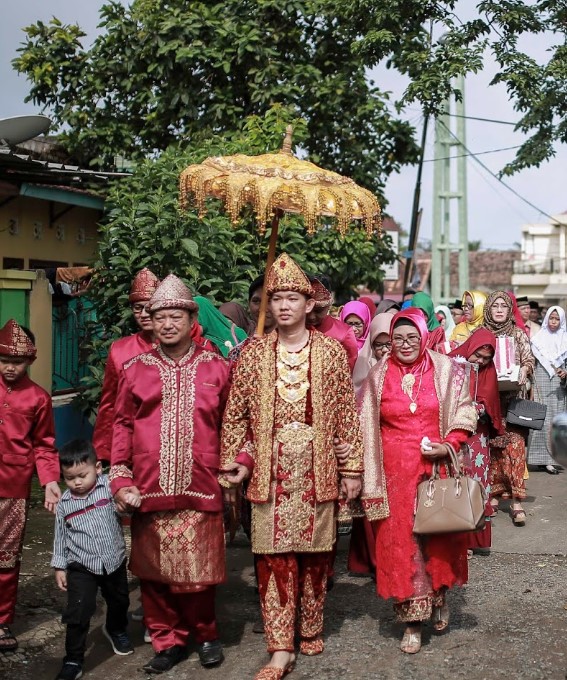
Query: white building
[(541, 272)]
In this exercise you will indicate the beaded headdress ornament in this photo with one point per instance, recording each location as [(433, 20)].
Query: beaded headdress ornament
[(285, 274)]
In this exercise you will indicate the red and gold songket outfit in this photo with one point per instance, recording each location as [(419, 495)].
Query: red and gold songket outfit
[(166, 443), (283, 411)]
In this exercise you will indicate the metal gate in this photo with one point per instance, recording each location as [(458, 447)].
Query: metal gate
[(72, 325)]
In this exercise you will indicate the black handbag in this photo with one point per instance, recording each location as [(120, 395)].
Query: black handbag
[(526, 413)]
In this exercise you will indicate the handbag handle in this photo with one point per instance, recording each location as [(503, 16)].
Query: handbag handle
[(453, 462)]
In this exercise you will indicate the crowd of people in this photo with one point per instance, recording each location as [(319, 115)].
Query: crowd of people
[(333, 416)]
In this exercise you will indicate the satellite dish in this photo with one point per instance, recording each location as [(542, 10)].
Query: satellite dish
[(18, 129)]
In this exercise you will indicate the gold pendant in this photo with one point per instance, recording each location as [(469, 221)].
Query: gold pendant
[(408, 381), (413, 407)]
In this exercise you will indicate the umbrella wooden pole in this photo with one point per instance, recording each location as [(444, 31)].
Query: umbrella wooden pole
[(269, 263)]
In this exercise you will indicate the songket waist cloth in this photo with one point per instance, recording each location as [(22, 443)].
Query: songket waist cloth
[(12, 525), (182, 548), (292, 520)]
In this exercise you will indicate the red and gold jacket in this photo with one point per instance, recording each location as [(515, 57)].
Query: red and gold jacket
[(167, 429), (343, 333), (122, 351), (249, 420), (27, 438)]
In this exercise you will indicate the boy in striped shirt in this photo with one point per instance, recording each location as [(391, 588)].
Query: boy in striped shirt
[(89, 553)]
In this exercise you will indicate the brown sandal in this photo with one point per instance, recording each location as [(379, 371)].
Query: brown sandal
[(8, 642), (440, 618)]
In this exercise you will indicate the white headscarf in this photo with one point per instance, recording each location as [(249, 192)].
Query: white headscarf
[(550, 348), (449, 321)]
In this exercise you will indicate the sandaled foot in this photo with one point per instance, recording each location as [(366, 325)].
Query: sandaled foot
[(440, 618), (270, 672), (518, 515), (312, 647), (506, 496), (411, 642), (494, 503), (8, 642)]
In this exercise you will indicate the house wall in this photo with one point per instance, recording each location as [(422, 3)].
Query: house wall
[(30, 229), (542, 272), (25, 297)]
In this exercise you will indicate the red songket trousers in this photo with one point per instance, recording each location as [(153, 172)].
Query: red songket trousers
[(13, 516), (293, 587), (172, 617)]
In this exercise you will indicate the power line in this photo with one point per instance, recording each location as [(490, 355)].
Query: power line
[(514, 207), (484, 120), (478, 153), (484, 167)]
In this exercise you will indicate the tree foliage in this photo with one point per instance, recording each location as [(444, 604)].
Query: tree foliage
[(162, 71), (428, 42), (165, 70), (145, 227)]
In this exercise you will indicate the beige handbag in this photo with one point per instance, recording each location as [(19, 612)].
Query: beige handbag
[(450, 504)]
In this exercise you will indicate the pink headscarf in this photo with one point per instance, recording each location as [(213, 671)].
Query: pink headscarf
[(360, 310), (423, 360)]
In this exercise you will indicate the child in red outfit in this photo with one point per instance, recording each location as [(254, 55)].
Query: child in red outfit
[(27, 443)]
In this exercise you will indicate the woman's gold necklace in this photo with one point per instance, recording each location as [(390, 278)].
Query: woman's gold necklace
[(408, 381)]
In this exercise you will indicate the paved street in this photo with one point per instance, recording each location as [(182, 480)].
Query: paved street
[(509, 621)]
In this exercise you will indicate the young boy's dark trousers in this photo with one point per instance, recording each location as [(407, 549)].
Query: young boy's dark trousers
[(82, 587)]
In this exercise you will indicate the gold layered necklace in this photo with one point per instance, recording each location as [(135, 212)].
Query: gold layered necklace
[(408, 382), (293, 370)]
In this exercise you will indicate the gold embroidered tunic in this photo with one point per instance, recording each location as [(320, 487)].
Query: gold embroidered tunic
[(289, 445)]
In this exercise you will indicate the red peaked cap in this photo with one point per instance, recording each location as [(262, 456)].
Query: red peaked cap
[(15, 343)]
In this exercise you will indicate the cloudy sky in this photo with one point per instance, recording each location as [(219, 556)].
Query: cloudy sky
[(495, 215)]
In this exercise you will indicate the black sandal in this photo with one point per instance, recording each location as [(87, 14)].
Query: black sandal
[(8, 642)]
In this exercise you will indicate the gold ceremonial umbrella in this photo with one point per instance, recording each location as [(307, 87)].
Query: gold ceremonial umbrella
[(275, 183)]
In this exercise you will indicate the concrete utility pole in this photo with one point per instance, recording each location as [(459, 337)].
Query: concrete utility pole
[(450, 132)]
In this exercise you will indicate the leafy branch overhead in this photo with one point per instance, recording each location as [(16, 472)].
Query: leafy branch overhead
[(144, 227), (161, 72)]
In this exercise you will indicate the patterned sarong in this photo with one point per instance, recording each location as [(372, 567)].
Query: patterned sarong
[(13, 513), (182, 548)]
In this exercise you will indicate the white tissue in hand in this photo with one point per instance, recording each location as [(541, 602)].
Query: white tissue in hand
[(425, 442)]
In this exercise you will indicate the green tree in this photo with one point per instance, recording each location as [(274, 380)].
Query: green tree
[(145, 227), (399, 32), (161, 71), (165, 71)]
